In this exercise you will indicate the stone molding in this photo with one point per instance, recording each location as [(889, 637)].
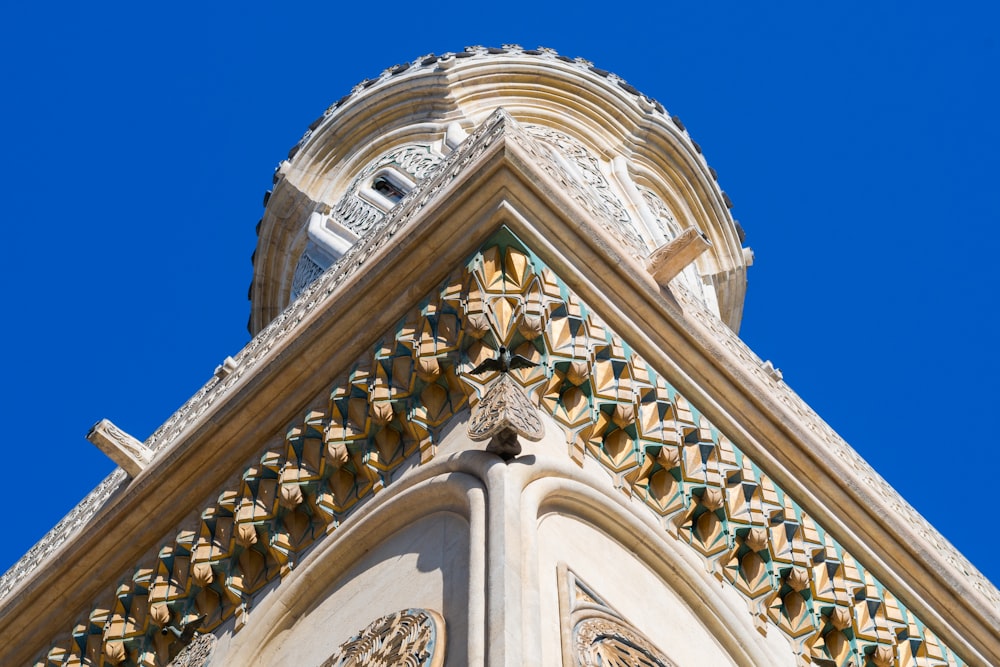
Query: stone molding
[(612, 407), (200, 406)]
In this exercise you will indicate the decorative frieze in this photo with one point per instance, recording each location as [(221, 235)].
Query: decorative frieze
[(611, 405)]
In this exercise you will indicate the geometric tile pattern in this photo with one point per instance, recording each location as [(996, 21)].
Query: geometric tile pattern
[(616, 409), (611, 405)]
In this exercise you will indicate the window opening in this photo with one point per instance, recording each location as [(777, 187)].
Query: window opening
[(382, 185)]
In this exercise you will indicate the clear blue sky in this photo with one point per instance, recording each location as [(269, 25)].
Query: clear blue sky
[(858, 142)]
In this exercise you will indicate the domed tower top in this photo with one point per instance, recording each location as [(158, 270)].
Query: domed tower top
[(617, 152)]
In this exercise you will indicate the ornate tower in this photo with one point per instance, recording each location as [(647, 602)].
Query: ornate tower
[(496, 412)]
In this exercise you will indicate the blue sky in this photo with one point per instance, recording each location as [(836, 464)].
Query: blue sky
[(858, 142)]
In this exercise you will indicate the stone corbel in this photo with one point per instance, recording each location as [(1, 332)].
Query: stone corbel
[(130, 454), (671, 258)]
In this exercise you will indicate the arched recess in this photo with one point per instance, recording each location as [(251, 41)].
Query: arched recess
[(653, 580), (391, 556)]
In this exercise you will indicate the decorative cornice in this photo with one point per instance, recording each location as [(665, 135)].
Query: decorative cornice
[(610, 403), (612, 407), (68, 526), (243, 364), (837, 447)]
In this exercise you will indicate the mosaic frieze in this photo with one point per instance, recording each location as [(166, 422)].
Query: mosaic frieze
[(390, 408)]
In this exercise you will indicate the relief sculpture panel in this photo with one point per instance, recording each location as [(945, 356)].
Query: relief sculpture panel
[(410, 638)]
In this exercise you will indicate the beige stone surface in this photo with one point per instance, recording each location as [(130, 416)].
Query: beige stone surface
[(423, 565), (454, 527)]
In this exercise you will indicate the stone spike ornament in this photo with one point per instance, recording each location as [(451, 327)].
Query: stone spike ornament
[(503, 414)]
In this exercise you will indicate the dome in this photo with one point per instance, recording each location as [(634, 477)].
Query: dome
[(628, 158)]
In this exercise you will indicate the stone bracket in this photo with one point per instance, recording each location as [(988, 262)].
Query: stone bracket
[(671, 258), (130, 454)]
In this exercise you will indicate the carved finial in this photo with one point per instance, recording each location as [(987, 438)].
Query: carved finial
[(503, 414), (130, 454)]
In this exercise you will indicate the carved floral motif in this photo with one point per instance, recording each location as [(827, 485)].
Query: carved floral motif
[(413, 637), (504, 413), (604, 642)]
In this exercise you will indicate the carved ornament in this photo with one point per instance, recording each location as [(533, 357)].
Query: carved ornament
[(603, 642), (503, 414), (413, 637), (595, 635), (611, 406)]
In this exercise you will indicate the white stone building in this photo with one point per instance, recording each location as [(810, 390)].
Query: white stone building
[(495, 412)]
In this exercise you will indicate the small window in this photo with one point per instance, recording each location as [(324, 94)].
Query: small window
[(386, 188), (382, 185)]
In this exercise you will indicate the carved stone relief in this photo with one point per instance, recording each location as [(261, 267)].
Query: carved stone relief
[(573, 164), (605, 642), (611, 405), (197, 653), (595, 635), (358, 214), (307, 270), (410, 638), (503, 414)]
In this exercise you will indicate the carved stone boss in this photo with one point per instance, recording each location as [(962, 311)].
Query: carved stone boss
[(504, 412)]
